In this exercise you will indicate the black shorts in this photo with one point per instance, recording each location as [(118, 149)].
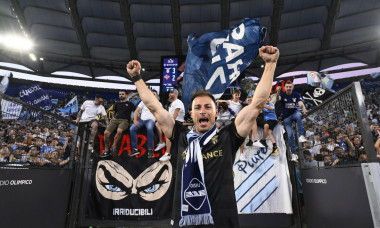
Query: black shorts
[(271, 123), (260, 120), (81, 126)]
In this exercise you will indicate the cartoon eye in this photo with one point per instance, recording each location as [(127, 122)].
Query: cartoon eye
[(152, 188), (112, 188)]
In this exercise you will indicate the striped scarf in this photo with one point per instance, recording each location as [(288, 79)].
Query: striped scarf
[(195, 206)]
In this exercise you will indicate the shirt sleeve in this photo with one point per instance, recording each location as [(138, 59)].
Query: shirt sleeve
[(133, 106), (141, 105), (83, 106), (236, 139), (299, 98), (103, 112)]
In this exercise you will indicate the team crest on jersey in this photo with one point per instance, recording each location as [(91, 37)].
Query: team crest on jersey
[(285, 100), (184, 154), (195, 194), (294, 99), (214, 139)]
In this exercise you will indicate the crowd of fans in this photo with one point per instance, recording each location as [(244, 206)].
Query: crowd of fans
[(35, 143), (333, 134)]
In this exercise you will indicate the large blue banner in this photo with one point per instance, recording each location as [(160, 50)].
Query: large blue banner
[(216, 59), (36, 96)]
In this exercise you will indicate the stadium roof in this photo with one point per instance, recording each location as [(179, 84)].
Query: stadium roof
[(97, 37)]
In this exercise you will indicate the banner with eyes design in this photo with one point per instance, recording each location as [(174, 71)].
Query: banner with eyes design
[(130, 188)]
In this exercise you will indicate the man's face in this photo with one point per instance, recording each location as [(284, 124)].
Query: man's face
[(308, 157), (39, 142), (357, 141), (249, 100), (235, 96), (122, 95), (33, 151), (172, 96), (203, 113), (289, 88), (98, 101)]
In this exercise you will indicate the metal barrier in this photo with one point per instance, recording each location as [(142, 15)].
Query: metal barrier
[(37, 156)]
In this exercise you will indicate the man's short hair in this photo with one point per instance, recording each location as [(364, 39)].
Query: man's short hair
[(289, 82), (236, 91), (123, 90), (224, 105), (98, 96), (323, 150), (202, 93), (173, 91), (306, 152), (153, 90)]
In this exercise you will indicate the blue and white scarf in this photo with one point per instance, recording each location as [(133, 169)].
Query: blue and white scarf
[(195, 206)]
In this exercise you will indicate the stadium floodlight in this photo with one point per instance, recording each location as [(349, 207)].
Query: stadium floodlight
[(33, 56), (14, 42)]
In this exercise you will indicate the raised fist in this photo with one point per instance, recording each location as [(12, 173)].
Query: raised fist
[(269, 54), (133, 68)]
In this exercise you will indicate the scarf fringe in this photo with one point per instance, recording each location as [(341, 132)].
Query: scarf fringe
[(201, 219)]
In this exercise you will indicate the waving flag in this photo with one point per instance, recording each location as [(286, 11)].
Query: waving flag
[(327, 82), (71, 106), (313, 78), (216, 59), (4, 84), (315, 96), (35, 95)]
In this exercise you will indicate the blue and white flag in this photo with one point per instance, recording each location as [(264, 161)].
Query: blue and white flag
[(326, 81), (4, 84), (36, 96), (10, 110), (262, 183), (71, 106), (375, 75), (313, 78), (216, 59)]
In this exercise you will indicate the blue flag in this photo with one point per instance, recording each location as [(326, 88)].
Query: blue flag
[(326, 81), (71, 106), (313, 78), (216, 59), (4, 84), (36, 96)]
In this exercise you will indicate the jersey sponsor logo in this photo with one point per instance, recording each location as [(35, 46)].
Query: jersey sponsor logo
[(208, 155), (213, 154), (290, 105), (195, 194)]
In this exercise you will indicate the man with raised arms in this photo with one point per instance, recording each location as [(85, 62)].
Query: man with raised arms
[(204, 192)]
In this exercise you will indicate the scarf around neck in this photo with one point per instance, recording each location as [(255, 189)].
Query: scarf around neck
[(195, 205)]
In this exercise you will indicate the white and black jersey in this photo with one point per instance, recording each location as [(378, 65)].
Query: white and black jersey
[(218, 157)]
